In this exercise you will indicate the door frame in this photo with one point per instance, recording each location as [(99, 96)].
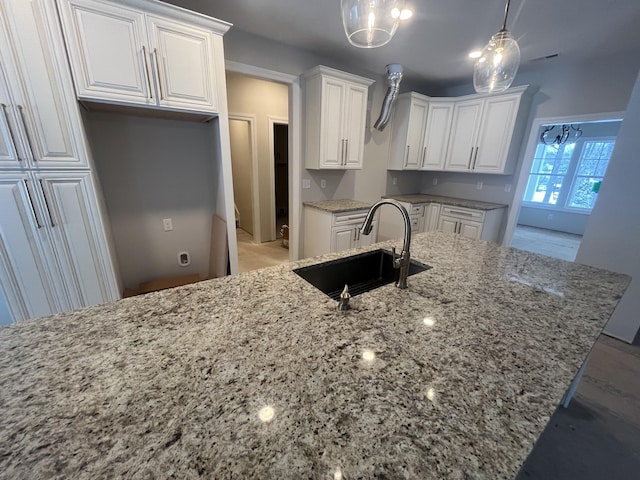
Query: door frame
[(295, 144), (273, 121), (514, 210), (251, 120)]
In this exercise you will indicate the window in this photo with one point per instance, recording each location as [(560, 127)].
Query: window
[(568, 176)]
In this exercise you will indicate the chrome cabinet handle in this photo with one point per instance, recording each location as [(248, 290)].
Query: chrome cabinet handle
[(147, 75), (342, 161), (46, 202), (354, 234), (13, 139), (33, 208), (26, 131), (470, 157), (424, 155), (475, 157), (155, 53), (406, 160), (346, 151)]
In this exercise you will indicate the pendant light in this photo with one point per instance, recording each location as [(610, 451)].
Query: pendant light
[(370, 23), (498, 63)]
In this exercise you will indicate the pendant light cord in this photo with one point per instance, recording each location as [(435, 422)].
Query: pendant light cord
[(506, 14)]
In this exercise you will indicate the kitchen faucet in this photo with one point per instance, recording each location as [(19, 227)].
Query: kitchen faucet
[(401, 262)]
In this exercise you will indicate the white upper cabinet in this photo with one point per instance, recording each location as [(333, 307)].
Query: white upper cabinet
[(407, 136), (40, 106), (9, 153), (436, 134), (336, 111), (482, 133), (128, 55)]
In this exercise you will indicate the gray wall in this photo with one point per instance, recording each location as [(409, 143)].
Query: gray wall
[(612, 236), (151, 169)]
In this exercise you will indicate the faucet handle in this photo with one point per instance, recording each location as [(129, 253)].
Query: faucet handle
[(396, 258)]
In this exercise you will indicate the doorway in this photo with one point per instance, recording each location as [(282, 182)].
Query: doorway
[(565, 164), (280, 135)]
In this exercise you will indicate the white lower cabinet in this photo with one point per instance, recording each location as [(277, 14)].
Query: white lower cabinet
[(471, 223), (423, 217), (53, 251), (328, 232)]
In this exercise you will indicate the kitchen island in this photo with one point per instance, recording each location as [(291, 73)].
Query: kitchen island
[(259, 376)]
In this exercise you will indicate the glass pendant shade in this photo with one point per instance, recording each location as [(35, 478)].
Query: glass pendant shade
[(370, 23), (498, 64)]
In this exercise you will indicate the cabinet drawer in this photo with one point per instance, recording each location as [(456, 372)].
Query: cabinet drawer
[(348, 218), (417, 209), (415, 223), (462, 213)]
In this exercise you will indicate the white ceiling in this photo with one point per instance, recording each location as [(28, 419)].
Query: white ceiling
[(433, 45)]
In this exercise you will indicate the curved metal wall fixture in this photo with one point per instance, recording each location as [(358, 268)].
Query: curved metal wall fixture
[(394, 77)]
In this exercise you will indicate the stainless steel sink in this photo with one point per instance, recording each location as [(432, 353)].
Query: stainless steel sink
[(362, 272)]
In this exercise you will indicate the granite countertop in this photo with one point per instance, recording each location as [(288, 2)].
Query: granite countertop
[(258, 375), (455, 202), (339, 206)]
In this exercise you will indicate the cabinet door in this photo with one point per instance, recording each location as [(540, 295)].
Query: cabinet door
[(79, 244), (37, 72), (466, 115), (355, 114), (470, 229), (414, 153), (106, 47), (436, 135), (183, 59), (9, 156), (447, 224), (496, 129), (24, 274), (431, 214), (332, 142), (343, 238)]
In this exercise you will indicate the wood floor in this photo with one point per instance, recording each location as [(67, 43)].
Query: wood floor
[(252, 256)]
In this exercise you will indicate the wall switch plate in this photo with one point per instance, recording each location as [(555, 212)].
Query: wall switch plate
[(323, 183), (395, 181), (479, 186), (306, 183), (507, 187), (167, 223), (435, 180)]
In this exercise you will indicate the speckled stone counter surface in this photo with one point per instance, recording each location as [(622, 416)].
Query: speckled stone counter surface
[(339, 206), (258, 376), (455, 202)]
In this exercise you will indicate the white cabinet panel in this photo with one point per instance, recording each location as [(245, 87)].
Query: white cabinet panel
[(183, 57), (70, 213), (496, 130), (343, 238), (447, 224), (120, 54), (25, 276), (436, 135), (40, 85), (328, 232), (335, 119), (470, 229), (462, 143), (408, 132), (106, 45)]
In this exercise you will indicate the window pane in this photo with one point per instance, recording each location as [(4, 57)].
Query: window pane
[(602, 167), (582, 195), (543, 189), (587, 166)]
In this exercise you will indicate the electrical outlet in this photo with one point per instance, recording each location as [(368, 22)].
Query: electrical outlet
[(184, 259), (507, 187), (167, 223), (435, 180), (323, 183), (306, 183), (479, 186)]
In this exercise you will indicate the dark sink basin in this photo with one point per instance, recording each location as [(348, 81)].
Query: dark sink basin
[(361, 272)]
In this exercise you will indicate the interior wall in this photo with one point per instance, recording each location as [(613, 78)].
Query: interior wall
[(242, 164), (613, 232), (260, 98), (151, 169)]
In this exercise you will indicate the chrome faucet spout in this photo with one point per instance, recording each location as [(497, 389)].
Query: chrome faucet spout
[(402, 262)]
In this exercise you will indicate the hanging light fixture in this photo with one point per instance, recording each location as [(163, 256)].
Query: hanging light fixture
[(567, 132), (371, 23), (498, 63)]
